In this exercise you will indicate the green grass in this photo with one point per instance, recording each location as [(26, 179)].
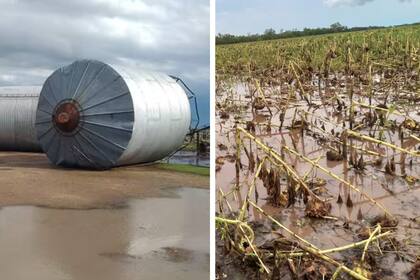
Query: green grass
[(186, 168)]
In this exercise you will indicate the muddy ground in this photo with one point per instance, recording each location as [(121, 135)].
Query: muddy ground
[(29, 179), (136, 222)]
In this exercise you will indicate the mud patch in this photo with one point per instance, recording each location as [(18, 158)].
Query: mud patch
[(28, 179), (120, 256), (177, 255)]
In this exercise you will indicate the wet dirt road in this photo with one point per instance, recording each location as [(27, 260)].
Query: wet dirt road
[(126, 223), (29, 179)]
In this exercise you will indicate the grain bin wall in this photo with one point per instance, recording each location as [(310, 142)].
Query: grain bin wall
[(94, 115), (17, 118)]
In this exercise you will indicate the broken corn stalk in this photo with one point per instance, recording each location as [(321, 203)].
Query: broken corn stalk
[(367, 138)]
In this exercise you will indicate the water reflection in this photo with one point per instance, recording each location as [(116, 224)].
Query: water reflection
[(149, 238), (190, 157)]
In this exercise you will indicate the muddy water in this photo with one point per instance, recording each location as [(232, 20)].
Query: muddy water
[(397, 196), (154, 238), (190, 157)]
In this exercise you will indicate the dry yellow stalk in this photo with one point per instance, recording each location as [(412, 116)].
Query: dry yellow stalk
[(367, 138), (309, 247)]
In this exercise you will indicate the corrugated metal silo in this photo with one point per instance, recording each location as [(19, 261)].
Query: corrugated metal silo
[(94, 115), (17, 118)]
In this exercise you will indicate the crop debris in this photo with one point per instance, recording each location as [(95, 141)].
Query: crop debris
[(323, 134)]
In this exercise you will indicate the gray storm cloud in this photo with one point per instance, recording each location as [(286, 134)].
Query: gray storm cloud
[(38, 36)]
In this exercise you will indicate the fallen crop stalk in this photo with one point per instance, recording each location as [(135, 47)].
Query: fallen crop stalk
[(336, 273), (301, 239), (262, 95), (380, 109), (357, 148), (256, 254), (240, 224), (303, 112), (278, 158), (335, 138), (367, 138), (366, 150), (305, 96), (249, 239), (337, 178), (238, 143), (377, 229), (251, 187), (309, 247), (343, 248), (414, 137), (312, 168), (223, 196)]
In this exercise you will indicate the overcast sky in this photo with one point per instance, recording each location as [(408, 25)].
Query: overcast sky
[(254, 16), (172, 36)]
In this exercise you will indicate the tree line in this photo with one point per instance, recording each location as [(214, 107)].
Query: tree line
[(270, 33)]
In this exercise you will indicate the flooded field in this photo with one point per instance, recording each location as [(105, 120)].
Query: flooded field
[(317, 174), (124, 223)]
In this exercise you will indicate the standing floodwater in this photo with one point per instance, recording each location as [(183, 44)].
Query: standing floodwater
[(128, 243), (317, 158)]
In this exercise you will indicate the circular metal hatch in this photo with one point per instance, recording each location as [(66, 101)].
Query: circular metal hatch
[(85, 115)]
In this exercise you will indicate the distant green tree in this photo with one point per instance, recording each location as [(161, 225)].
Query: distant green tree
[(269, 33)]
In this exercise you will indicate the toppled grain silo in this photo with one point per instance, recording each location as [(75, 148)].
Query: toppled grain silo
[(17, 118), (93, 115)]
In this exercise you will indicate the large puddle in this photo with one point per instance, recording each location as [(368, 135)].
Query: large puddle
[(325, 123), (153, 238)]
